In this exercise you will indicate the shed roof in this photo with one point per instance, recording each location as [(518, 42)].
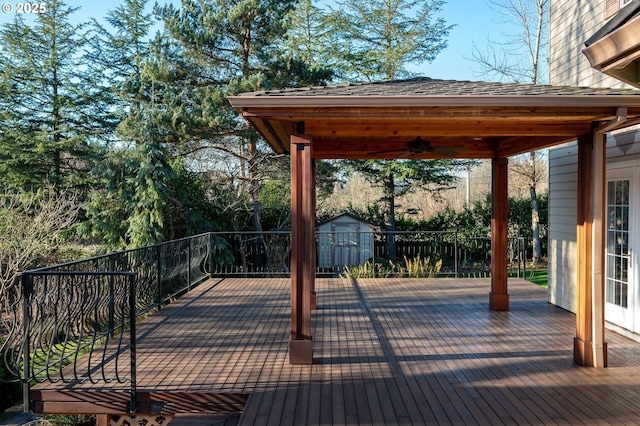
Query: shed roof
[(430, 118), (349, 215)]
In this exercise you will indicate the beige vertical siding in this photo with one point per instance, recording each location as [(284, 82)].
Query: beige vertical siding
[(571, 23), (563, 181)]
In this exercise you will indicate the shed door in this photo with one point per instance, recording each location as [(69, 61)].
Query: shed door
[(621, 286), (346, 241)]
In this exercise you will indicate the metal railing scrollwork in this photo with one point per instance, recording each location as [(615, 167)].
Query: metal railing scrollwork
[(77, 327), (75, 322)]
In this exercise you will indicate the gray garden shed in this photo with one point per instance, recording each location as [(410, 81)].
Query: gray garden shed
[(344, 240)]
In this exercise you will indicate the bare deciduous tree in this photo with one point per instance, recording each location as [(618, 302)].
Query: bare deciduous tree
[(32, 227), (521, 58), (532, 172)]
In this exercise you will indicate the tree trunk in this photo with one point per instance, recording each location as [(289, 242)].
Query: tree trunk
[(254, 204), (389, 216), (535, 225)]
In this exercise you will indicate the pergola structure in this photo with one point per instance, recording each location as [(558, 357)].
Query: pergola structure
[(427, 118)]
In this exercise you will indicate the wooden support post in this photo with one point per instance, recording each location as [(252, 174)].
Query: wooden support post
[(102, 420), (302, 248), (499, 298), (313, 246), (582, 347), (589, 348)]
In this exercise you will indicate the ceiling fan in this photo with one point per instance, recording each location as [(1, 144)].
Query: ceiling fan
[(419, 146)]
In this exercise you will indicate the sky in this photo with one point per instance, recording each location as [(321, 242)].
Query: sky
[(475, 21)]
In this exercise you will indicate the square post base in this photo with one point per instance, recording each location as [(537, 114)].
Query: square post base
[(300, 352), (584, 353), (499, 302)]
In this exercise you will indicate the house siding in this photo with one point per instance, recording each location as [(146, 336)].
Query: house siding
[(563, 203), (621, 146), (571, 23)]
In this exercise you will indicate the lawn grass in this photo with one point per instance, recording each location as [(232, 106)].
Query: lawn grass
[(540, 277)]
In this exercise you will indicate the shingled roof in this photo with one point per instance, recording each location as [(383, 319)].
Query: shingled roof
[(426, 118), (425, 86)]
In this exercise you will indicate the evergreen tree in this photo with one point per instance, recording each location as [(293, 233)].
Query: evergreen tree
[(310, 39), (377, 39), (144, 200), (129, 209), (53, 114), (216, 48)]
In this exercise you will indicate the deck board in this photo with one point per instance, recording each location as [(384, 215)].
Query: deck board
[(386, 351)]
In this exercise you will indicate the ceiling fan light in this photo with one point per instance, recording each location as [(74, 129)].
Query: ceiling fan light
[(419, 145)]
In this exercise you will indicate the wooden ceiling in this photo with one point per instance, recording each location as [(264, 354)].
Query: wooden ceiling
[(347, 127)]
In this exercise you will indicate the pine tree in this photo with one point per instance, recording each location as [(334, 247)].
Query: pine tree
[(216, 48), (129, 209), (309, 40), (377, 39), (53, 114)]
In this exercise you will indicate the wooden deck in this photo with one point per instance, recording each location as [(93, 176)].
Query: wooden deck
[(386, 351)]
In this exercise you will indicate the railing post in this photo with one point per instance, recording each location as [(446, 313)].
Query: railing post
[(111, 299), (159, 276), (373, 257), (524, 259), (189, 264), (520, 258), (27, 291), (455, 252), (210, 254), (132, 339)]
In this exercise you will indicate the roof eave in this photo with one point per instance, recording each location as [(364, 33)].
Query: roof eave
[(243, 103), (617, 54)]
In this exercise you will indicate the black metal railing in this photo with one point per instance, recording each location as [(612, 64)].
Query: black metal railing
[(76, 321), (72, 315), (267, 254)]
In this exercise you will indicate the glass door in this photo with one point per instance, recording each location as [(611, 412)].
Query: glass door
[(620, 291)]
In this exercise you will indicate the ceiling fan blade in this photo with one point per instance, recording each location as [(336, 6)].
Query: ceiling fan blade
[(448, 151), (389, 151), (419, 146)]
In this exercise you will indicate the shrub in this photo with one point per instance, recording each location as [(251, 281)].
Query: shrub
[(368, 269), (417, 267), (420, 268)]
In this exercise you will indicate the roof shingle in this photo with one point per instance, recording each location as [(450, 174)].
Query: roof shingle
[(425, 86)]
